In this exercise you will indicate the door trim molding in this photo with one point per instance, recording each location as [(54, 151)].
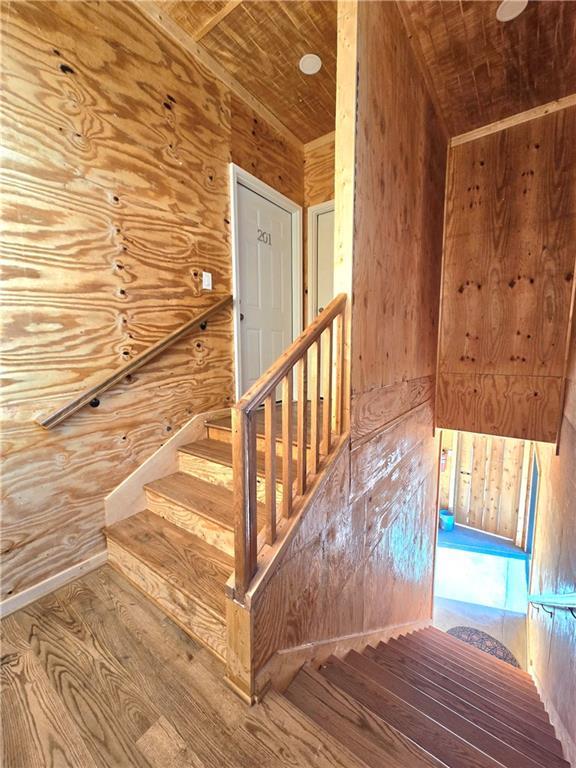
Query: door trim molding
[(239, 176), (314, 211)]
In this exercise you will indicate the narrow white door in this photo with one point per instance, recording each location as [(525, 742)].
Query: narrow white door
[(325, 260), (265, 283)]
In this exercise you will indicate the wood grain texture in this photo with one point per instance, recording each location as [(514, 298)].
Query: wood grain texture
[(115, 193), (483, 70), (319, 171), (488, 481), (260, 45), (552, 639), (508, 279), (153, 695), (400, 164)]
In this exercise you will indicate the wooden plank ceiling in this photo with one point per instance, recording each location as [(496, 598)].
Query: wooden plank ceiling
[(483, 70), (260, 45)]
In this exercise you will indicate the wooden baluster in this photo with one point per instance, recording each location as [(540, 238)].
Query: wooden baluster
[(315, 406), (339, 375), (327, 394), (287, 440), (301, 433), (270, 467), (245, 523)]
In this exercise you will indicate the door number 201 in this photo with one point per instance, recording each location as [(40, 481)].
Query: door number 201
[(264, 237)]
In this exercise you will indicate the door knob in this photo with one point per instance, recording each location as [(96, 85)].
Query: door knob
[(241, 316)]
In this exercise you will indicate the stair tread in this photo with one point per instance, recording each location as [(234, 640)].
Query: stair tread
[(430, 735), (464, 681), (480, 711), (369, 737), (182, 559), (441, 712), (500, 686), (224, 423), (221, 453), (212, 501), (482, 657)]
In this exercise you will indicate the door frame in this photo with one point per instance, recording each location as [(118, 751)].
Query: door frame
[(314, 211), (238, 176)]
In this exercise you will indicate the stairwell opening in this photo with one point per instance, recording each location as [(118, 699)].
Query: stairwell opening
[(487, 501)]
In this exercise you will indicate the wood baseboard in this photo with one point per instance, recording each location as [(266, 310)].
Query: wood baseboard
[(282, 667), (51, 584)]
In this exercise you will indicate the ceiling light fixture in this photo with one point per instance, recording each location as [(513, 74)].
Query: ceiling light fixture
[(510, 9), (310, 64)]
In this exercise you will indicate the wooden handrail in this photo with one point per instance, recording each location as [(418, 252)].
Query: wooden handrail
[(269, 380), (137, 362), (317, 359)]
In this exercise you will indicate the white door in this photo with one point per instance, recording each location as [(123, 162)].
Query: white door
[(265, 283), (325, 262), (320, 257)]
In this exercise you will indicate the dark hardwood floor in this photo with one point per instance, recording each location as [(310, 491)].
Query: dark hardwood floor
[(96, 676)]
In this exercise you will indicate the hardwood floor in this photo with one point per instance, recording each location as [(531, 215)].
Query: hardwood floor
[(95, 676)]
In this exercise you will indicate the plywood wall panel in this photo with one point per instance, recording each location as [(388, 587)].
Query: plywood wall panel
[(508, 279), (526, 407), (319, 171), (116, 146), (264, 152), (400, 168), (552, 639)]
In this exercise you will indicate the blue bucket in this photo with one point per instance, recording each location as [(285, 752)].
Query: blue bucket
[(446, 520)]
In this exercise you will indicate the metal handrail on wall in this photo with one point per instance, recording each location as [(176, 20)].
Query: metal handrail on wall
[(565, 602)]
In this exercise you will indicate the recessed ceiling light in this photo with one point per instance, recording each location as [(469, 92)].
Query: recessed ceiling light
[(310, 64), (509, 9)]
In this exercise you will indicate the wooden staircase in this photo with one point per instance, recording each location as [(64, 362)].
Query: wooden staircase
[(427, 699), (180, 550), (240, 489)]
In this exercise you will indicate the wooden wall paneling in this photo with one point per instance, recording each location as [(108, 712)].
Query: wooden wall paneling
[(464, 458), (319, 159), (482, 70), (510, 488), (400, 167), (260, 149), (490, 482), (495, 450), (448, 454), (115, 192), (508, 279), (478, 480)]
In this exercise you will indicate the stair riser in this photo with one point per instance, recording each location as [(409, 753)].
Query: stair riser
[(482, 689), (185, 518), (218, 474), (190, 615), (476, 654), (484, 716), (494, 670), (506, 689), (225, 436)]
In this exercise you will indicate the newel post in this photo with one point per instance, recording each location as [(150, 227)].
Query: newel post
[(245, 524)]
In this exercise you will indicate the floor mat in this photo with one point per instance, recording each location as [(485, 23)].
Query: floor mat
[(484, 642)]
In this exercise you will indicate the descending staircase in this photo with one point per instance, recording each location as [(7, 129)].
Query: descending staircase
[(180, 550), (427, 699)]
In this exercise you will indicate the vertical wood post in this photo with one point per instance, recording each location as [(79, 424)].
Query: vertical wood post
[(270, 467), (245, 524), (287, 441)]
